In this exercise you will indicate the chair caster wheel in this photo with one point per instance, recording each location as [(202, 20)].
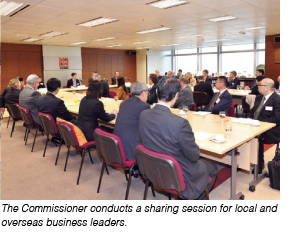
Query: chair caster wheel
[(252, 188), (242, 197)]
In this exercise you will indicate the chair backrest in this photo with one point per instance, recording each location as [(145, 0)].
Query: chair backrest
[(130, 95), (112, 93), (162, 170), (245, 105), (26, 116), (109, 147), (231, 111), (14, 111), (200, 98), (67, 133), (48, 124), (194, 107), (65, 86)]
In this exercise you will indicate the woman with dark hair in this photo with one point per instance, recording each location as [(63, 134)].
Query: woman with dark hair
[(122, 92), (91, 109)]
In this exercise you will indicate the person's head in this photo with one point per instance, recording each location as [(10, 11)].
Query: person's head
[(40, 78), (33, 81), (259, 72), (53, 85), (153, 79), (167, 90), (140, 90), (205, 72), (74, 76), (278, 79), (183, 81), (259, 79), (157, 72), (266, 86), (166, 73), (96, 77), (117, 74), (170, 73), (232, 74), (221, 83), (127, 79), (21, 79), (94, 72), (189, 75), (200, 79), (121, 83), (94, 90), (180, 72), (14, 84)]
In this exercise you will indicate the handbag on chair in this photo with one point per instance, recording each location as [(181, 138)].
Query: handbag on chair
[(274, 170)]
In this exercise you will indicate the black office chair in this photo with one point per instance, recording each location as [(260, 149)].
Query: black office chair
[(201, 99)]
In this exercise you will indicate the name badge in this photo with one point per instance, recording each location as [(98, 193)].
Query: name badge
[(269, 108)]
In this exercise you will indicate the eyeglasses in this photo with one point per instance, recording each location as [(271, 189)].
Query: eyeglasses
[(261, 85)]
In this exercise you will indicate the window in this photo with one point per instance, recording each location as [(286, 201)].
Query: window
[(186, 51), (167, 52), (186, 63), (241, 62), (261, 46), (209, 62), (208, 49), (238, 47), (260, 58)]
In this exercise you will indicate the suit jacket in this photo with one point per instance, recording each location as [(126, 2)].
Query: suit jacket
[(29, 98), (55, 107), (121, 94), (5, 91), (166, 133), (105, 87), (185, 98), (271, 115), (204, 87), (208, 80), (12, 96), (41, 85), (70, 83), (127, 124), (276, 84), (90, 80), (232, 84), (114, 80), (223, 105), (90, 110), (152, 97)]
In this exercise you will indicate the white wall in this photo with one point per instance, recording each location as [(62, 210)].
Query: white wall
[(157, 60), (51, 56), (141, 66)]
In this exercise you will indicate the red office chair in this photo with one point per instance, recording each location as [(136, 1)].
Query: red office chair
[(111, 152), (26, 116), (14, 113), (49, 127), (112, 93), (162, 170), (231, 111), (201, 99), (130, 95), (68, 135), (194, 107), (65, 86)]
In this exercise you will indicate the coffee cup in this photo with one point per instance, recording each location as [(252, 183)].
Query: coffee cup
[(219, 137)]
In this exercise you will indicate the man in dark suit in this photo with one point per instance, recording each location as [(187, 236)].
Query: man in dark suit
[(221, 101), (127, 124), (73, 82), (179, 74), (13, 95), (164, 132), (206, 77), (233, 80), (202, 86), (52, 105), (29, 97), (267, 109), (254, 89), (105, 87), (185, 97), (277, 83), (114, 80), (92, 77), (258, 72), (153, 80), (41, 83)]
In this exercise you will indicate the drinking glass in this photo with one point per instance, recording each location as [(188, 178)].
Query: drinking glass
[(228, 129), (116, 101), (238, 87), (185, 109), (222, 115)]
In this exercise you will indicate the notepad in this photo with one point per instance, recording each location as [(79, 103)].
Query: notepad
[(201, 135), (202, 113)]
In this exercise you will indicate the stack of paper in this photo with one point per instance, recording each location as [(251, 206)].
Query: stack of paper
[(201, 135), (202, 113)]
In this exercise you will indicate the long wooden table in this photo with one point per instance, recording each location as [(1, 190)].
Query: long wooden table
[(240, 150)]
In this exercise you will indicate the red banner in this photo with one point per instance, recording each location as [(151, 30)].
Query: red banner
[(63, 63)]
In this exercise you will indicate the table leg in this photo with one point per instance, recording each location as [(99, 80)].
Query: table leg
[(233, 195)]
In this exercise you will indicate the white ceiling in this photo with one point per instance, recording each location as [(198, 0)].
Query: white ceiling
[(134, 15)]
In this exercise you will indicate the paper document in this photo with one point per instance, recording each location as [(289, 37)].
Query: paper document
[(202, 113), (201, 135)]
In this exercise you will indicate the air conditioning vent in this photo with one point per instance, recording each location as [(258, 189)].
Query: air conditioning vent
[(19, 10)]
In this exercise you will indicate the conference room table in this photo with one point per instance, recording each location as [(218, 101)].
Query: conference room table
[(240, 150)]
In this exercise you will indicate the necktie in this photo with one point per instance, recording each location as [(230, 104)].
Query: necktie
[(216, 96), (256, 114)]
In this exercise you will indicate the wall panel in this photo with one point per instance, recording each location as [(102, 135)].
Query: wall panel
[(272, 69)]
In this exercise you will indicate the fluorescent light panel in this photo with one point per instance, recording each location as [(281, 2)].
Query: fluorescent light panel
[(192, 36), (218, 40), (77, 43), (167, 45), (224, 18), (104, 39), (97, 21), (116, 45), (8, 7), (255, 28), (53, 34), (142, 42), (153, 30), (143, 48), (165, 4), (32, 39)]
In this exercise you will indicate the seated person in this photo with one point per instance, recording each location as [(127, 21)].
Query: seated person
[(255, 87), (29, 97), (185, 97), (21, 80), (153, 80), (105, 87), (114, 80), (166, 133), (91, 109), (73, 82), (233, 80), (266, 109), (122, 92), (13, 95), (127, 124), (277, 83), (50, 104), (221, 101), (258, 72), (5, 91), (206, 76), (191, 79), (202, 86), (41, 84)]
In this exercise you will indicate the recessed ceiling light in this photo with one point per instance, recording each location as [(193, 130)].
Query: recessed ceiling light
[(142, 42), (77, 43), (53, 34), (165, 4), (8, 7), (153, 30), (105, 38), (143, 48), (255, 28), (116, 45), (32, 39), (97, 21), (224, 18), (191, 36), (167, 45)]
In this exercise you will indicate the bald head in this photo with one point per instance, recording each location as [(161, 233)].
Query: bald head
[(266, 86)]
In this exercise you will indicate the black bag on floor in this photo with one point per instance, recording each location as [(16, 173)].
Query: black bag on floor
[(274, 170)]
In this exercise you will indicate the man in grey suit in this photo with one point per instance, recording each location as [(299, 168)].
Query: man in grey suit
[(29, 97), (185, 97), (164, 132)]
